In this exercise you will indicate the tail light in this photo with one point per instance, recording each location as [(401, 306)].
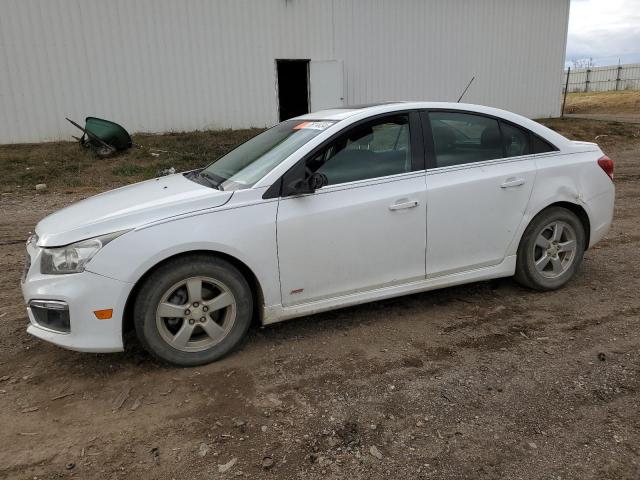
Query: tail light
[(606, 164)]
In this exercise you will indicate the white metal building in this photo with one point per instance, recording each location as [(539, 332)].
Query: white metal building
[(162, 65)]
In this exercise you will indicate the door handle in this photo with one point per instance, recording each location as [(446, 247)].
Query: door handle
[(512, 182), (401, 206)]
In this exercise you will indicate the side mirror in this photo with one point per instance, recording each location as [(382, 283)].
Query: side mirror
[(317, 180), (309, 184)]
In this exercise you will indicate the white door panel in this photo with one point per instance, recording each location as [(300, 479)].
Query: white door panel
[(326, 82), (474, 212), (352, 237)]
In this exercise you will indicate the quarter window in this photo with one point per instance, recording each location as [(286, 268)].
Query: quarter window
[(542, 146), (375, 149), (461, 138)]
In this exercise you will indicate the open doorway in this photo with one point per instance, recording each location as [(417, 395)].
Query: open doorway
[(293, 88)]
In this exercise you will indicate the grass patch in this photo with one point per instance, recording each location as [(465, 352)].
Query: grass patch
[(65, 166), (130, 170), (624, 101)]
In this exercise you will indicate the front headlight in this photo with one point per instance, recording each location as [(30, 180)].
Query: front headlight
[(74, 257)]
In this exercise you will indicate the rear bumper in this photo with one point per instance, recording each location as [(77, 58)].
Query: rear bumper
[(84, 293), (600, 211)]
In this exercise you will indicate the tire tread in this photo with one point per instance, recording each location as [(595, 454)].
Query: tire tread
[(524, 275), (195, 264)]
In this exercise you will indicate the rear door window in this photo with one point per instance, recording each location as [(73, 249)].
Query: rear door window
[(461, 138)]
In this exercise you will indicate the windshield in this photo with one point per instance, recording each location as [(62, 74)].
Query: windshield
[(243, 167)]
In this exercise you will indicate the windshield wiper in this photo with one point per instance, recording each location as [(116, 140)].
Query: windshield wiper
[(212, 181)]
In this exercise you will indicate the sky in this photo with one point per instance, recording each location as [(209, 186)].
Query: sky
[(605, 30)]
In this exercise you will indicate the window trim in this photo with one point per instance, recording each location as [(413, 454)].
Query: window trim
[(367, 182), (429, 145), (416, 139)]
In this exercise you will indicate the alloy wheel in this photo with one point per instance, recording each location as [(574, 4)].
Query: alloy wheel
[(555, 249), (195, 314)]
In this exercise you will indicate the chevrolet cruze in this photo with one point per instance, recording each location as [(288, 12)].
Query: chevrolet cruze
[(330, 209)]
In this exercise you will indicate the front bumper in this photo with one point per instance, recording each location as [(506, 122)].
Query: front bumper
[(84, 293)]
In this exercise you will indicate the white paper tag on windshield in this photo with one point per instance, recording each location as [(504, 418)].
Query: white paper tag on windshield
[(314, 125)]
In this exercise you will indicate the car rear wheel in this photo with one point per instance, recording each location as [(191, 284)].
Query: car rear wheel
[(551, 249), (193, 310)]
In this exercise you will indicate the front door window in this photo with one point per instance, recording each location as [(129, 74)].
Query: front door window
[(376, 149)]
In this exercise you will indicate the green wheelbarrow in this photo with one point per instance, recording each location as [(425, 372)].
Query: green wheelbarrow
[(105, 138)]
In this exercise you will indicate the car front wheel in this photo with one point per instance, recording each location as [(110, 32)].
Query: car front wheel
[(551, 249), (193, 310)]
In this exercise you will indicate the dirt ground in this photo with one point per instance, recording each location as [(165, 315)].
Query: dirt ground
[(482, 381)]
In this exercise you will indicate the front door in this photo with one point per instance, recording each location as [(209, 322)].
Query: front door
[(367, 228), (478, 188)]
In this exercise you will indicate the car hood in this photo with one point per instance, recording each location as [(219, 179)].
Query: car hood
[(127, 207)]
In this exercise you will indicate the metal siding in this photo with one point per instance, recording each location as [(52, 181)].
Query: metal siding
[(162, 65), (412, 53)]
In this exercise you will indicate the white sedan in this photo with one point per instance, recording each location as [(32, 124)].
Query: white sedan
[(330, 209)]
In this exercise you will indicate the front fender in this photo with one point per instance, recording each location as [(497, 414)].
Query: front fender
[(246, 233)]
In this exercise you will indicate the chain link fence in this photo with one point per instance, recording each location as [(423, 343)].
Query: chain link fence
[(602, 79)]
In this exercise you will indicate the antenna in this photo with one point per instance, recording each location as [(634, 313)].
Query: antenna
[(465, 90)]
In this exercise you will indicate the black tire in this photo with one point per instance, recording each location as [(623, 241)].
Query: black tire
[(152, 332), (526, 272)]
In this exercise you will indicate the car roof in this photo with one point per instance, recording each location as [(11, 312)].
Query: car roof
[(341, 113), (364, 111)]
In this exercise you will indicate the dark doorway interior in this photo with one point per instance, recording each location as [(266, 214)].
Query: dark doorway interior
[(293, 88)]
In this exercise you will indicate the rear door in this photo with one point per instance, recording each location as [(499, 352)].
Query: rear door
[(367, 228), (479, 180)]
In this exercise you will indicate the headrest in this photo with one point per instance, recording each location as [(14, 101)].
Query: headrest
[(491, 138), (360, 132), (445, 139)]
